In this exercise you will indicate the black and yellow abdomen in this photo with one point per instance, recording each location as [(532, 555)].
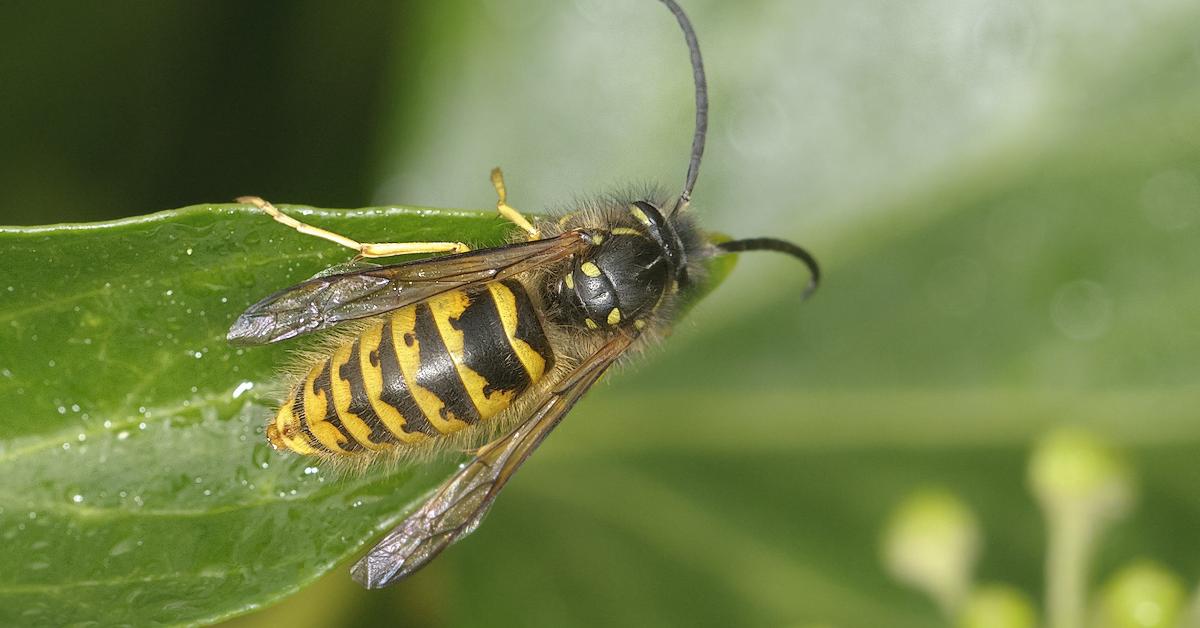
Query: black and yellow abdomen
[(424, 371)]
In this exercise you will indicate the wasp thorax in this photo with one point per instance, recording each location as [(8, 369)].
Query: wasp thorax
[(621, 282)]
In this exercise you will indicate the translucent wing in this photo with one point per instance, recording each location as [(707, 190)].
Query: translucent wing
[(458, 506), (324, 301)]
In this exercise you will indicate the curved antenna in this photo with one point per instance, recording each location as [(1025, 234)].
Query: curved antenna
[(701, 103), (782, 246)]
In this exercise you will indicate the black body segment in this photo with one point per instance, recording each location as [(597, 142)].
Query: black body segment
[(486, 350), (394, 390), (360, 401), (436, 371), (322, 385)]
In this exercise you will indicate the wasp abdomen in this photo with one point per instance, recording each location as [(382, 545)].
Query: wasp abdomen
[(425, 370)]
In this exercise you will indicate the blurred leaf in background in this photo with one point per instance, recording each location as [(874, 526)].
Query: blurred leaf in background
[(1006, 195)]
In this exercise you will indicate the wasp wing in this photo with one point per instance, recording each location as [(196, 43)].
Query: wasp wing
[(324, 301), (459, 505)]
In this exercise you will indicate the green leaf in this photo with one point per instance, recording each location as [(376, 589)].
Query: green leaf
[(138, 484)]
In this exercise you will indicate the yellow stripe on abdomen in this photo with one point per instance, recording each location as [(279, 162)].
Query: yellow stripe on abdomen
[(506, 305)]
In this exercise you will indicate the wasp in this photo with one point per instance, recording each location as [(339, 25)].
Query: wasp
[(504, 340)]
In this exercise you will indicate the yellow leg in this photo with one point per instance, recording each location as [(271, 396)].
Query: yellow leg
[(365, 249), (508, 211)]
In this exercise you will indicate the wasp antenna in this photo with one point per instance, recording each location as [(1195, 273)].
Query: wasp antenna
[(783, 246), (701, 103)]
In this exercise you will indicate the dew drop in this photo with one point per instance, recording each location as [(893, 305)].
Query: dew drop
[(242, 388), (260, 455), (122, 547)]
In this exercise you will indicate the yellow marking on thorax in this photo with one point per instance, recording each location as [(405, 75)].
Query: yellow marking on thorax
[(373, 384), (639, 215), (341, 399), (288, 426), (403, 322), (626, 231), (506, 303), (614, 316), (451, 305), (314, 412), (590, 269)]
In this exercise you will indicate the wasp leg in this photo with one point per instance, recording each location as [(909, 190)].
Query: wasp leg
[(507, 210), (365, 249)]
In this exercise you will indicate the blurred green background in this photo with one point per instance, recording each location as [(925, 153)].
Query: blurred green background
[(1006, 197)]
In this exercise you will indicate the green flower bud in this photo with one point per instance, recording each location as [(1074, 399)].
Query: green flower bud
[(931, 543), (997, 606), (1071, 469), (1142, 595)]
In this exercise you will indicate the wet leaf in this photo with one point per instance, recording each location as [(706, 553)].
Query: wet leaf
[(139, 487)]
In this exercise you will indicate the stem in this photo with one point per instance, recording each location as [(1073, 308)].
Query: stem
[(1070, 545)]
